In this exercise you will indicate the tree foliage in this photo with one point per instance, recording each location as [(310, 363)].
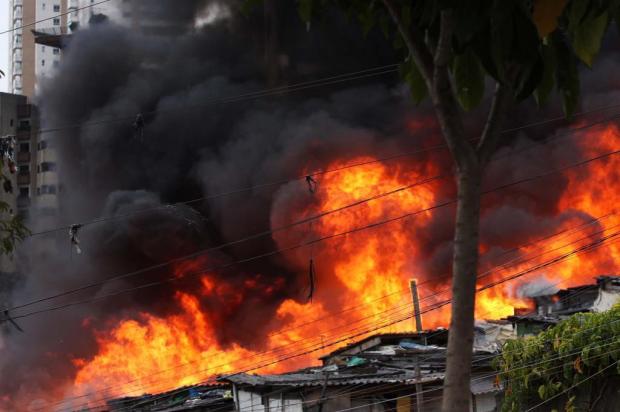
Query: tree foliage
[(532, 45), (537, 368), (12, 228)]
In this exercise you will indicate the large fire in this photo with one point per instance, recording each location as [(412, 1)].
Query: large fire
[(362, 281)]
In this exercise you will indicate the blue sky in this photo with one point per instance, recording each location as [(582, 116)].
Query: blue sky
[(4, 43)]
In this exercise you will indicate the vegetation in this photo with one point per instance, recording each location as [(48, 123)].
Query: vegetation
[(560, 359)]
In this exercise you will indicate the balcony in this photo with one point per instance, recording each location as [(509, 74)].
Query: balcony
[(23, 179), (23, 157), (56, 37)]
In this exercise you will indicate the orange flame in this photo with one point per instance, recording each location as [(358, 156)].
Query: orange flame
[(362, 281)]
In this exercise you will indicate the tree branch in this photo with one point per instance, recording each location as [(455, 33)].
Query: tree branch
[(446, 106), (491, 134), (415, 44)]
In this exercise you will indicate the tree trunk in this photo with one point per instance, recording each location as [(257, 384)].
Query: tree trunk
[(457, 392)]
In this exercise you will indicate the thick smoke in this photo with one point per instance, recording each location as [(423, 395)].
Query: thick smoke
[(194, 146)]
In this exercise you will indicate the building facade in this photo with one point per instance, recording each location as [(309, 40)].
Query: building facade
[(18, 125), (30, 62)]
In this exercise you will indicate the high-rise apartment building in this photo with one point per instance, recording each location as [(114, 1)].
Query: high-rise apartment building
[(31, 62)]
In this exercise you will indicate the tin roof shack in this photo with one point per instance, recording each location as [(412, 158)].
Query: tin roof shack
[(550, 309), (199, 398), (382, 372)]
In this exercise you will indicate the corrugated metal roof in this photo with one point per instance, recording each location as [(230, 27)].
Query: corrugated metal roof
[(335, 379)]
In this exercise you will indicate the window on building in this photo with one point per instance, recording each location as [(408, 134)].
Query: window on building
[(47, 167), (18, 39), (24, 169), (56, 51), (24, 191), (43, 6), (24, 147), (56, 8), (43, 62), (56, 22), (42, 49), (11, 123), (55, 63), (42, 145)]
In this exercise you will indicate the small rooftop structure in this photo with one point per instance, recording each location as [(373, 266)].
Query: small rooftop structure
[(551, 309)]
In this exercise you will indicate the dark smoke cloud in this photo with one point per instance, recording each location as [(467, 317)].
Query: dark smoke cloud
[(190, 149)]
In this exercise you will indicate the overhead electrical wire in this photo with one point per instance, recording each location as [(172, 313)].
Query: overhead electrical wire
[(71, 10), (303, 221), (580, 162), (501, 266), (594, 244), (300, 245), (315, 173)]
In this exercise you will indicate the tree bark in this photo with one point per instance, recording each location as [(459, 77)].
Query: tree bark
[(457, 393), (470, 162)]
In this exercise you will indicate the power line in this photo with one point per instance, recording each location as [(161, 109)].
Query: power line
[(438, 305), (502, 266), (318, 173), (265, 233), (300, 245), (595, 244), (72, 10)]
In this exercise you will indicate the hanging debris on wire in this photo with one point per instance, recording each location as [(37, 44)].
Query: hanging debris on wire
[(138, 126), (73, 236), (312, 279), (312, 184), (7, 185), (7, 152), (8, 318)]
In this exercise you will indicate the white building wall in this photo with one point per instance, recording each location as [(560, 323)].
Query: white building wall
[(254, 402), (47, 59), (16, 59), (605, 301)]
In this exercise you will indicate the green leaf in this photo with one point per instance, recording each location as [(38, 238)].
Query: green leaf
[(528, 78), (305, 10), (587, 37), (576, 12), (468, 79), (542, 92), (542, 392), (417, 86), (567, 75), (367, 21)]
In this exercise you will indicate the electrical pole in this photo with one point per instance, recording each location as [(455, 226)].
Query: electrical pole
[(413, 285)]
